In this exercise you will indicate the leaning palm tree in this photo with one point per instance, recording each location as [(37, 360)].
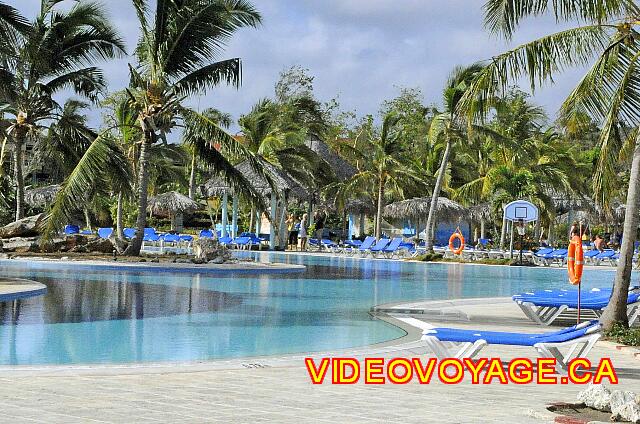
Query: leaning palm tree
[(52, 55), (446, 126), (176, 53), (608, 41)]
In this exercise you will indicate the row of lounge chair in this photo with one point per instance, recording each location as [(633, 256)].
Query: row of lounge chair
[(370, 246), (151, 241), (543, 307), (550, 256), (548, 306)]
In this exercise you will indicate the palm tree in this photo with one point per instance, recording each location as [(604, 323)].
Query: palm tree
[(607, 40), (383, 170), (175, 55), (220, 118), (50, 55), (277, 132), (516, 159), (445, 125)]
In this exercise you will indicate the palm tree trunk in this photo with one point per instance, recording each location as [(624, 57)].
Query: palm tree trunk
[(252, 219), (434, 197), (119, 226), (143, 184), (380, 206), (616, 312), (87, 218), (503, 233), (17, 173), (192, 178)]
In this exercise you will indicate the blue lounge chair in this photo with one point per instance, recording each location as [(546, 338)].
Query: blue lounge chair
[(329, 245), (349, 247), (105, 233), (129, 233), (171, 238), (206, 234), (614, 259), (460, 344), (541, 255), (368, 242), (603, 256), (241, 242), (352, 243), (546, 306), (225, 240), (378, 247), (559, 256), (589, 255), (150, 237), (393, 248), (71, 230), (547, 258)]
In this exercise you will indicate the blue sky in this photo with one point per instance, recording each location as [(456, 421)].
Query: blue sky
[(360, 51)]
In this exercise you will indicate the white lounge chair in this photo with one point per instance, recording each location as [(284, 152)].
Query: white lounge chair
[(455, 343)]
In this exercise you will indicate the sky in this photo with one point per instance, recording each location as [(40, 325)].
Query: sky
[(360, 51)]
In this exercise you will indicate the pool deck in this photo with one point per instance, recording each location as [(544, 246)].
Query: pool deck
[(278, 389), (15, 288)]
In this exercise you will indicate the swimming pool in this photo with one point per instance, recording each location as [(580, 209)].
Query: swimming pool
[(92, 315)]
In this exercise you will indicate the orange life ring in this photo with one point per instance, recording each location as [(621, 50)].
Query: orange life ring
[(453, 237), (575, 260)]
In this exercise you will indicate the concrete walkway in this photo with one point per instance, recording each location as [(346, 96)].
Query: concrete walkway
[(278, 389), (15, 288)]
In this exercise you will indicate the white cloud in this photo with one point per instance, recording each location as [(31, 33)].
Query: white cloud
[(359, 49)]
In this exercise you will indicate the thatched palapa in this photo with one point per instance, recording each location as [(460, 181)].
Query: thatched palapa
[(448, 210), (340, 167), (41, 196), (480, 212), (216, 187), (283, 183), (172, 202)]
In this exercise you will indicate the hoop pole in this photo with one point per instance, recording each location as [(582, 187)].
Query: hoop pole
[(580, 283)]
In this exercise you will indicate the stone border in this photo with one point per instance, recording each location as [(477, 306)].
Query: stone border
[(18, 288), (239, 267)]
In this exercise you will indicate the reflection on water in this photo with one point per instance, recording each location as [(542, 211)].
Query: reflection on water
[(86, 301)]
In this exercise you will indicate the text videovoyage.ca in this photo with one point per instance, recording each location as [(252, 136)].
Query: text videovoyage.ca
[(456, 371)]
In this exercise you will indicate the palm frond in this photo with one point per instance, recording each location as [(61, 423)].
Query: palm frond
[(538, 60), (227, 71), (103, 164), (504, 16)]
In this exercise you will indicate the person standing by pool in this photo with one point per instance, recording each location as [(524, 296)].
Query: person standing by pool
[(598, 243), (302, 235), (321, 217), (293, 228)]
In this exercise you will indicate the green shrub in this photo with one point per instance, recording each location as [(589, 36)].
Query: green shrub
[(626, 336), (430, 257)]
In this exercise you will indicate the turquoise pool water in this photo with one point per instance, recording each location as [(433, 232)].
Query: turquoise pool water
[(93, 315)]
